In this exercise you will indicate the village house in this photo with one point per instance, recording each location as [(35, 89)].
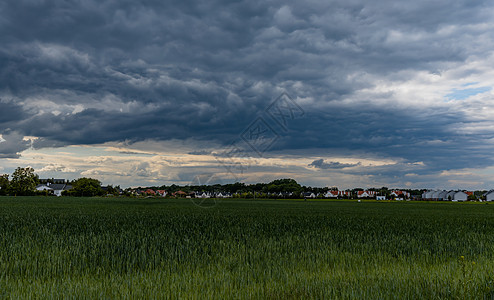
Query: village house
[(54, 188), (450, 195), (180, 194), (442, 195), (161, 193), (309, 195), (460, 196), (285, 195), (438, 195), (203, 195), (366, 194), (435, 195), (336, 194), (427, 195), (52, 180), (489, 196), (223, 195), (400, 195), (346, 194), (332, 194), (150, 192)]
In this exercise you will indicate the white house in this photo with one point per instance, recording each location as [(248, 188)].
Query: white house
[(59, 188), (437, 195), (309, 195), (223, 195), (331, 194), (366, 194), (55, 188), (203, 195), (380, 197), (460, 196), (282, 194), (442, 195), (489, 196), (450, 195), (336, 194), (428, 195), (162, 193), (43, 187)]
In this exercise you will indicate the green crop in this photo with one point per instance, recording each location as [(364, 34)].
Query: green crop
[(171, 248)]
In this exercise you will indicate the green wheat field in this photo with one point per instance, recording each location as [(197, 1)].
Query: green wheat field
[(271, 249)]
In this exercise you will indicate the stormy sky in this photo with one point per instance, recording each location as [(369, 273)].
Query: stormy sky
[(330, 93)]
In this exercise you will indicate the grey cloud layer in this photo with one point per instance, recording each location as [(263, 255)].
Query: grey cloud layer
[(321, 164), (86, 72)]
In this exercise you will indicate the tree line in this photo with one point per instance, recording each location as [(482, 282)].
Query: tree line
[(23, 182), (275, 186), (272, 189)]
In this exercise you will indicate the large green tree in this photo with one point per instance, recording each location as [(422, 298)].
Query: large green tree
[(284, 185), (86, 187), (24, 181), (4, 184)]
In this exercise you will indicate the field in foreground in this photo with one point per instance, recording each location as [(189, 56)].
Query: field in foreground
[(114, 248)]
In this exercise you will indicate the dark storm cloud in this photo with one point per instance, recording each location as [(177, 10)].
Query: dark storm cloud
[(9, 113), (86, 72), (415, 135), (11, 144)]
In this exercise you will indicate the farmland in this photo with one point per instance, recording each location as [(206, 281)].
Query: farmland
[(171, 248)]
